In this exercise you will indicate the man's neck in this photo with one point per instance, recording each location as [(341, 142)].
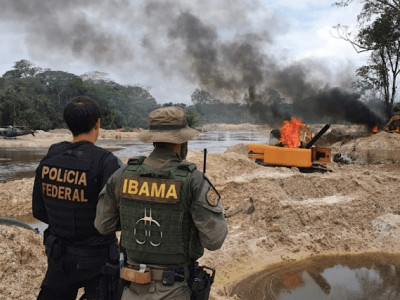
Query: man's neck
[(88, 137)]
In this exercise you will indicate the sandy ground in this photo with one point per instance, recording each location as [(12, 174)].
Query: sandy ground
[(43, 139), (274, 214)]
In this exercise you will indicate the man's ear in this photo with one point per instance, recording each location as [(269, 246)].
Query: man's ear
[(97, 124)]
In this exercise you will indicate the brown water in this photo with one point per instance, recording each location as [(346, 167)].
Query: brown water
[(373, 276), (17, 163)]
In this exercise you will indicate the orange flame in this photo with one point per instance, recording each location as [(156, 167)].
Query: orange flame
[(374, 129), (290, 133)]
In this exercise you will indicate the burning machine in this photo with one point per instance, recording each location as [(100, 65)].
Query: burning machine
[(303, 157)]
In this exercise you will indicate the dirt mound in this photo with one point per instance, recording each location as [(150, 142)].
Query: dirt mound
[(16, 197), (43, 139), (23, 263), (119, 134), (372, 149), (273, 213), (341, 135), (381, 140)]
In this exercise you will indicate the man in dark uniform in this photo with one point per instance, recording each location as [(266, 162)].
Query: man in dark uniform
[(67, 184), (168, 212)]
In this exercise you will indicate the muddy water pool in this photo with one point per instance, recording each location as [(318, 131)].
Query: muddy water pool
[(373, 276)]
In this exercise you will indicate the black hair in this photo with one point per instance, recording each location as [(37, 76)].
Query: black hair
[(81, 114)]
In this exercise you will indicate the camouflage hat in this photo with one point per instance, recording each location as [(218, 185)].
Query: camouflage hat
[(168, 125)]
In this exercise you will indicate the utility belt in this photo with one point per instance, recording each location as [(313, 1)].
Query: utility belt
[(144, 274), (199, 278), (82, 252)]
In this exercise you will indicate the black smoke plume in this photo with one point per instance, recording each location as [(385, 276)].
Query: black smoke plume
[(336, 105), (240, 70), (211, 45)]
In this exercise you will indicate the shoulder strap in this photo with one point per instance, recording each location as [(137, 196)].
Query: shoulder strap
[(184, 168), (137, 160), (103, 157), (187, 166)]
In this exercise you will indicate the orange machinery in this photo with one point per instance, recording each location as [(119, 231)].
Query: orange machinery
[(393, 125), (291, 157)]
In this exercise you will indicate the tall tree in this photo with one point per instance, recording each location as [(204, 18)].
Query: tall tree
[(379, 34), (200, 96), (33, 97), (22, 69)]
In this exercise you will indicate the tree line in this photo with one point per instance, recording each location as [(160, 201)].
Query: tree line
[(35, 98)]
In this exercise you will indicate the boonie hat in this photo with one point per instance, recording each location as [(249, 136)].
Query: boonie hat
[(168, 125)]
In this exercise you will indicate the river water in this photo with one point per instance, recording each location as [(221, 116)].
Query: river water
[(18, 163)]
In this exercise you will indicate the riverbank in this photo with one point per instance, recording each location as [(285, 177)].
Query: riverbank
[(274, 214), (44, 139)]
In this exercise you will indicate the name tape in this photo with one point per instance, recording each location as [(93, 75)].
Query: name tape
[(150, 189), (60, 176)]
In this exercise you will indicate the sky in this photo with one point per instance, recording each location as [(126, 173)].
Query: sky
[(226, 47)]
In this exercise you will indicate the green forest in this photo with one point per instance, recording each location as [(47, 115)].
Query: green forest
[(34, 98)]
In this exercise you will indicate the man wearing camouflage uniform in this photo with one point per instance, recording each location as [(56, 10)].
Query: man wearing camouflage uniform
[(168, 213)]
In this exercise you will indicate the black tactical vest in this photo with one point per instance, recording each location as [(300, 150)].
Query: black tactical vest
[(70, 189), (157, 227)]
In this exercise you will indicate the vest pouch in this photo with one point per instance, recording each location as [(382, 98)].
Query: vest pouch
[(53, 247)]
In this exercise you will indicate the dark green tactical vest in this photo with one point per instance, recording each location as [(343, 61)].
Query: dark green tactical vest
[(157, 227)]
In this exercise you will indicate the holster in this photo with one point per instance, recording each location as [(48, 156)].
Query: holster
[(53, 246), (110, 287), (109, 284), (200, 281)]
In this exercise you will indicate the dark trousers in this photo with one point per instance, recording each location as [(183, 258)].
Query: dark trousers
[(67, 274), (71, 271), (47, 292)]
